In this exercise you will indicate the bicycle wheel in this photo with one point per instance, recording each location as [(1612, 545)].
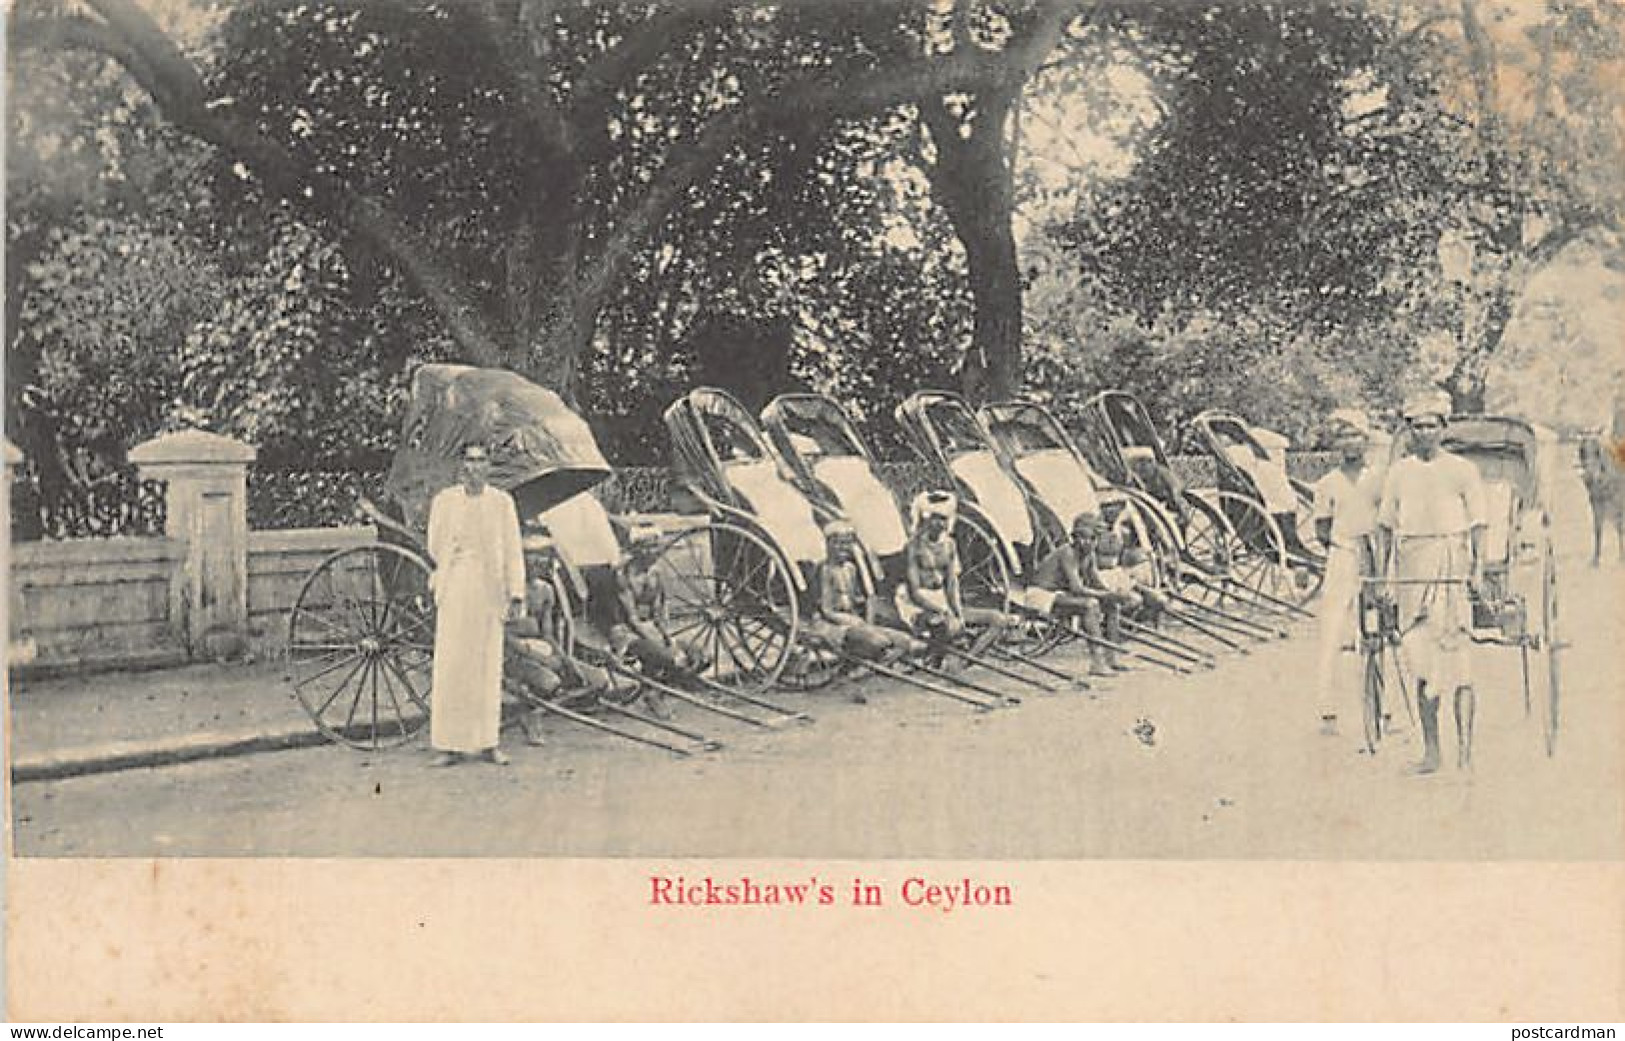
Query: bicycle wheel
[(1371, 700)]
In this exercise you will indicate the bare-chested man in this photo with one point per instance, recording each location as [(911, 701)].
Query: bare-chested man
[(1062, 580), (928, 600), (837, 619)]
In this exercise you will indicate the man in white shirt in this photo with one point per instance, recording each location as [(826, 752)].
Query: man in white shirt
[(1346, 501), (479, 582), (1431, 528)]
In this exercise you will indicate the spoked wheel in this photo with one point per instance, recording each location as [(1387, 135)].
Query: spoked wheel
[(984, 583), (361, 646), (1209, 540), (1155, 532), (1257, 551), (1032, 635), (1549, 644), (732, 604), (1371, 699)]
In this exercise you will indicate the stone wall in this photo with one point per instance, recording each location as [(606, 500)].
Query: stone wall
[(94, 602)]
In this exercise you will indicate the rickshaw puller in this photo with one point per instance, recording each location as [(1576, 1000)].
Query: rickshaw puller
[(837, 621), (928, 600), (1061, 582), (1112, 570), (534, 662), (1431, 526), (1346, 501)]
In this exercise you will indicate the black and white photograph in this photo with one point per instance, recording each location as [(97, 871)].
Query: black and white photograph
[(816, 430)]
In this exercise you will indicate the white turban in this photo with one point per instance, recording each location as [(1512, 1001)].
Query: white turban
[(938, 504)]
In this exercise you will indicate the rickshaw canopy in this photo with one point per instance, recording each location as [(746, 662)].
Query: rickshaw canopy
[(541, 452), (1507, 450)]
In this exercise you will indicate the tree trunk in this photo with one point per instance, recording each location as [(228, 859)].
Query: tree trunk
[(971, 180), (1470, 374)]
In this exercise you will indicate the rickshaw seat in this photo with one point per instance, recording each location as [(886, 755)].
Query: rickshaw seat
[(1063, 485), (779, 508), (1269, 477), (867, 503), (996, 494), (581, 530)]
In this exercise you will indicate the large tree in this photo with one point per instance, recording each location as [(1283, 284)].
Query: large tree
[(511, 159)]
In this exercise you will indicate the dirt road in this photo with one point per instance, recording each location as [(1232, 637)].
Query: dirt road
[(1234, 767)]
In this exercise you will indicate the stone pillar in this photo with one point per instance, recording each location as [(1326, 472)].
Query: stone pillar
[(19, 650), (207, 504)]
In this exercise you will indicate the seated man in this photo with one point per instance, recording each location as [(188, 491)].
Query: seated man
[(1116, 573), (928, 601), (1061, 590), (837, 620), (534, 663), (647, 627)]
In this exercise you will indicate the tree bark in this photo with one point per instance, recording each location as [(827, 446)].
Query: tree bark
[(972, 182)]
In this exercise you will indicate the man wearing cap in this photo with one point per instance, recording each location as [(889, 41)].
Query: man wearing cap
[(928, 600), (1346, 502), (1430, 525), (478, 582), (1062, 578)]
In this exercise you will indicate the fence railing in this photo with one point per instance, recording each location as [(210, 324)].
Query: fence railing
[(282, 497)]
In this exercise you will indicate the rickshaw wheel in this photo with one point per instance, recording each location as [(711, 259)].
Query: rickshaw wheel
[(1371, 700), (1146, 516), (361, 646), (1257, 551), (1209, 542), (731, 599), (1031, 636), (984, 582), (1548, 640), (984, 577)]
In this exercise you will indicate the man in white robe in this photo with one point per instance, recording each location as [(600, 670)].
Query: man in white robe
[(1433, 517), (479, 582), (1346, 501)]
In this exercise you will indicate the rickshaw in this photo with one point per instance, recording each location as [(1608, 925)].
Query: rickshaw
[(1517, 603), (1249, 467), (833, 467), (1230, 550), (732, 467), (1059, 484), (361, 631)]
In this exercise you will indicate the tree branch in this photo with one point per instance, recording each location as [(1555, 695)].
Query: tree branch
[(639, 48), (544, 116), (133, 40), (830, 98)]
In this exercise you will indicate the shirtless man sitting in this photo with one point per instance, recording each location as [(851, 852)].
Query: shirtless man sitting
[(1117, 572), (928, 601), (533, 661), (1064, 591), (837, 620)]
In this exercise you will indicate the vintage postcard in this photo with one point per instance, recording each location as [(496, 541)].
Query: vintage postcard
[(810, 510)]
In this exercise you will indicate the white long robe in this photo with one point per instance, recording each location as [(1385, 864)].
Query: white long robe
[(479, 568), (1351, 506)]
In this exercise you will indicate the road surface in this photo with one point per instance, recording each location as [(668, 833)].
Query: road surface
[(1231, 767)]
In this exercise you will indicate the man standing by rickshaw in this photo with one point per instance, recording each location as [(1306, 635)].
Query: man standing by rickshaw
[(1430, 529), (1346, 501), (479, 582)]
